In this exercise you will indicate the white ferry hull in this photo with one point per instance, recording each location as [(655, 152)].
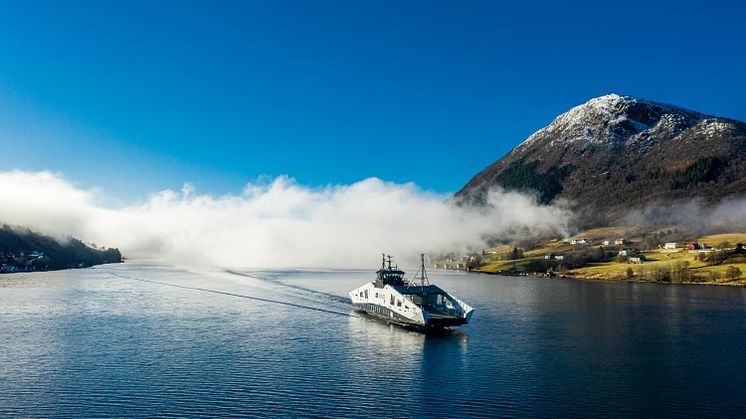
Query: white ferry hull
[(388, 315), (397, 305)]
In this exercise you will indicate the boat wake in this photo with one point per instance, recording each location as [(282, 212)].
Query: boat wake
[(233, 294), (271, 278)]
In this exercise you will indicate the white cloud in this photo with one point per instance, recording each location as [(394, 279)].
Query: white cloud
[(275, 224)]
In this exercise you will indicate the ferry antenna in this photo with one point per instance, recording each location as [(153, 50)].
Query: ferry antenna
[(423, 273)]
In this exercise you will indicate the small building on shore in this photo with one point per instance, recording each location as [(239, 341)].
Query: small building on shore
[(627, 252)]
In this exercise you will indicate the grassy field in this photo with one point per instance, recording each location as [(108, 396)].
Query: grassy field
[(716, 239), (507, 265), (678, 265), (610, 233)]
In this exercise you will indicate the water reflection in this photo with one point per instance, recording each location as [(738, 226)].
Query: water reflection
[(421, 365), (392, 339)]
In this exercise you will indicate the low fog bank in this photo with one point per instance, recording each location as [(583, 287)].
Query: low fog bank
[(278, 223), (693, 217)]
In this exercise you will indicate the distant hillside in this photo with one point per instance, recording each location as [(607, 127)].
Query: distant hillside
[(25, 250), (627, 254), (615, 153)]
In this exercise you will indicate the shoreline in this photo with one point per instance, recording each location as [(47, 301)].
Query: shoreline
[(739, 283), (626, 254), (57, 270)]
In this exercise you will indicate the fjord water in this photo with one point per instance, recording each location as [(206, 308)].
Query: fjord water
[(141, 339)]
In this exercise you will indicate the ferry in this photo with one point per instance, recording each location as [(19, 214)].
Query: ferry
[(414, 304)]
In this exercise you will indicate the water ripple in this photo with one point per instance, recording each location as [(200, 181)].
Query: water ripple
[(139, 340)]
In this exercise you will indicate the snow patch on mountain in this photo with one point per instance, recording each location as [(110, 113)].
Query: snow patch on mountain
[(616, 118), (713, 127)]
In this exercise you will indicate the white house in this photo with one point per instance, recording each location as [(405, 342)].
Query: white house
[(626, 252), (672, 245), (637, 259)]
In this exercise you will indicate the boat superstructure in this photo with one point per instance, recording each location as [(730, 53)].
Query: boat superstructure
[(411, 303)]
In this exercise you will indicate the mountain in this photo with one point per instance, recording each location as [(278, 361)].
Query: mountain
[(24, 250), (614, 153)]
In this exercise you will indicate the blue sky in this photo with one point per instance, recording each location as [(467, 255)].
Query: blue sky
[(134, 97)]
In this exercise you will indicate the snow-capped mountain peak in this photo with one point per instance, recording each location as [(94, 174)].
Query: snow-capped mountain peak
[(615, 118), (616, 152)]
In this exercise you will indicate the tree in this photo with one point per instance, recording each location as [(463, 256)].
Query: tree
[(733, 273), (660, 275), (516, 253), (677, 270), (474, 262), (630, 273), (601, 255), (644, 243), (703, 170)]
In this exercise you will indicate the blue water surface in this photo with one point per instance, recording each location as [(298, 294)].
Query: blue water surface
[(146, 339)]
